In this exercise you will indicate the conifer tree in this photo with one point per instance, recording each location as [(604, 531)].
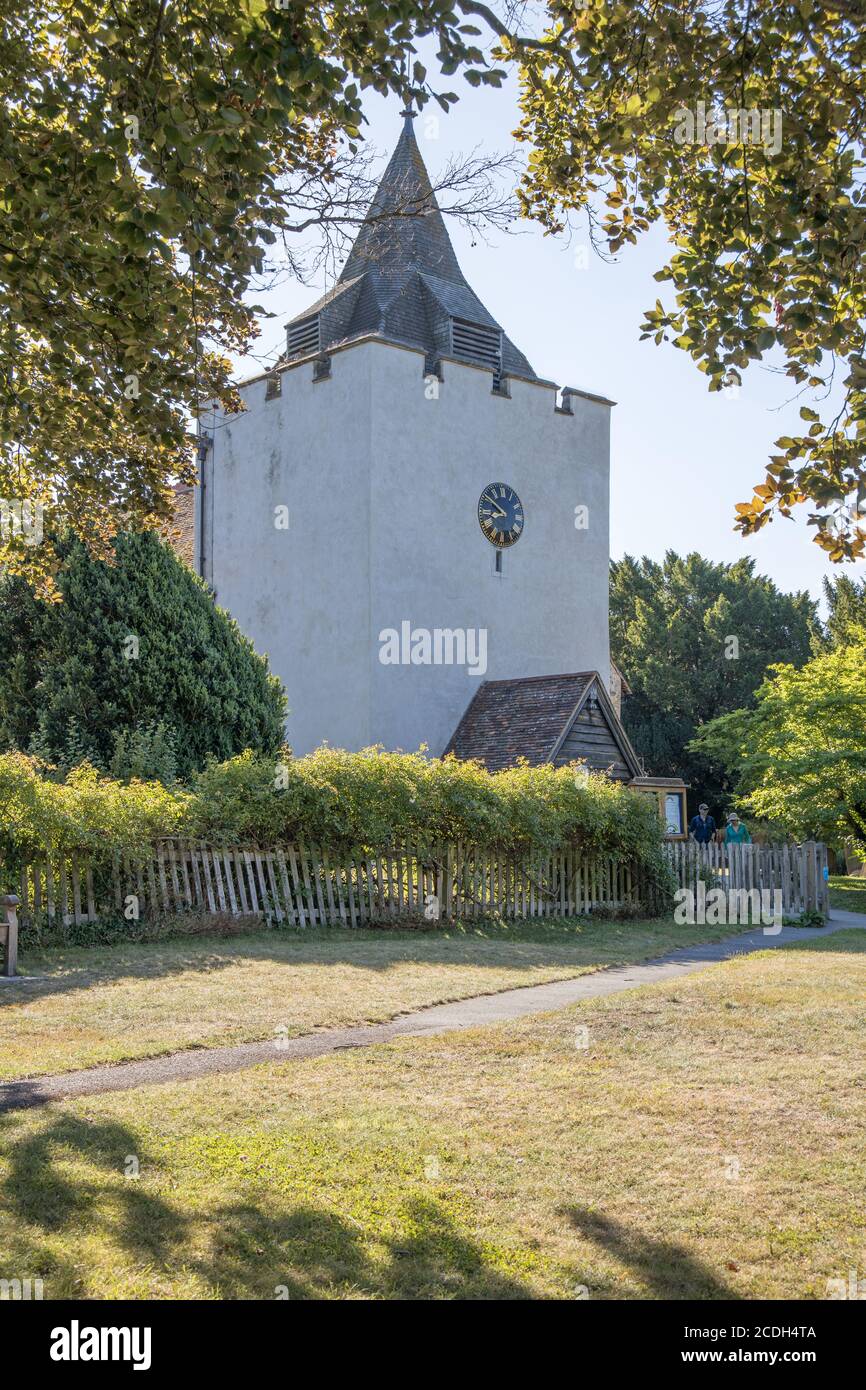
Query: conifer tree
[(135, 669), (846, 617)]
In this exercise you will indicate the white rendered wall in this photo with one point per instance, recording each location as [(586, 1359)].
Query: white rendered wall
[(382, 484)]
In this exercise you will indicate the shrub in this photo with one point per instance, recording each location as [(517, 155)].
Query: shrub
[(333, 799), (375, 798), (136, 670), (86, 811), (147, 752)]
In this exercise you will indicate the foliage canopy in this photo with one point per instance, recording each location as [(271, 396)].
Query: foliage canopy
[(766, 211), (694, 640), (800, 755)]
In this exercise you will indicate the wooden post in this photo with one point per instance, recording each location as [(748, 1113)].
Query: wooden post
[(9, 933), (447, 904)]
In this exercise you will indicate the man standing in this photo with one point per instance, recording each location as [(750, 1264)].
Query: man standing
[(702, 827)]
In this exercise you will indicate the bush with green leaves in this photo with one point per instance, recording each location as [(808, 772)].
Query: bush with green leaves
[(41, 813), (336, 800), (375, 797), (135, 671)]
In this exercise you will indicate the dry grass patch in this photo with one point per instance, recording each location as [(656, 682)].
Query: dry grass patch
[(706, 1143), (111, 1003)]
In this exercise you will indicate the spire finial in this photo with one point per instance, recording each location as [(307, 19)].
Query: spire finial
[(407, 113)]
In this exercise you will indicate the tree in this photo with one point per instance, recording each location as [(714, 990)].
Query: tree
[(135, 670), (799, 756), (694, 640), (846, 616), (742, 126), (150, 155)]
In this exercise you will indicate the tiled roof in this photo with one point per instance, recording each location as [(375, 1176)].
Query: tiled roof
[(544, 719), (404, 226), (402, 279), (525, 718)]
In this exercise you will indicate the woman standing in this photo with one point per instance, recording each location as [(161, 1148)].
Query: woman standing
[(737, 832)]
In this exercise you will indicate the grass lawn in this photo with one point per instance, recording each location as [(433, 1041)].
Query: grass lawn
[(848, 894), (110, 1003), (706, 1143)]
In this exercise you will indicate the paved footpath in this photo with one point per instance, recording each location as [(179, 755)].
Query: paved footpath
[(439, 1018)]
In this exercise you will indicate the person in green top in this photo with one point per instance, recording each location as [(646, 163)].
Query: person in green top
[(737, 832)]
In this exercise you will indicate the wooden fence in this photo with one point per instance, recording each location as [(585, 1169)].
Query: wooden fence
[(798, 871), (305, 886)]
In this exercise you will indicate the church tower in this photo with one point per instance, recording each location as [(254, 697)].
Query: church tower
[(405, 511)]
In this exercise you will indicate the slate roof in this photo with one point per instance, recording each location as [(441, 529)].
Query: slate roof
[(402, 279), (530, 717)]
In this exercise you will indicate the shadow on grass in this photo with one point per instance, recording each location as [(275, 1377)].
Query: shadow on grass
[(663, 1267), (253, 1249)]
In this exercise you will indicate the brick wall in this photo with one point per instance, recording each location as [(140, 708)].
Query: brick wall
[(180, 533)]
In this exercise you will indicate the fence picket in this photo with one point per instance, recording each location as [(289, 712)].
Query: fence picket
[(287, 892), (175, 880), (372, 892), (218, 879), (230, 883), (49, 889), (192, 852), (297, 888), (273, 893), (264, 890), (151, 883), (350, 894), (182, 858), (203, 859), (329, 889), (37, 893), (160, 859)]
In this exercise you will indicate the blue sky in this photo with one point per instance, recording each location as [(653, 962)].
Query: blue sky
[(680, 457)]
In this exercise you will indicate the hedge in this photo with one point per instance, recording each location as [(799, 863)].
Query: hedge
[(331, 798), (39, 812)]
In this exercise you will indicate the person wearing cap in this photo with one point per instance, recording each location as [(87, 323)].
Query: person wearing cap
[(702, 827), (737, 832)]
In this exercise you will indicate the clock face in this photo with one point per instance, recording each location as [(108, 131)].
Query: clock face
[(500, 514)]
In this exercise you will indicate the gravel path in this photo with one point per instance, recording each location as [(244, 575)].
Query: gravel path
[(439, 1018)]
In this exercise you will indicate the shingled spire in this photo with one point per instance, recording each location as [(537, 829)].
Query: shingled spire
[(404, 227), (402, 280)]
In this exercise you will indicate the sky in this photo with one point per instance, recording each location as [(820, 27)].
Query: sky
[(681, 457)]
